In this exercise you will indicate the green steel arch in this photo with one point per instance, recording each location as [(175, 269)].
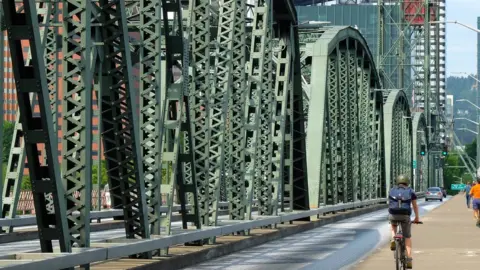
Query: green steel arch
[(398, 137), (345, 116), (420, 163)]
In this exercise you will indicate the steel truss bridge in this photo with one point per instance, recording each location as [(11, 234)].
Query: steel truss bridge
[(237, 103)]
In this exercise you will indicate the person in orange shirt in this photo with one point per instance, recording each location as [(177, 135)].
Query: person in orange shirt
[(475, 195)]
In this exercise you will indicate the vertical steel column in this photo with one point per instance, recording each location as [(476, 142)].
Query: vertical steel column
[(176, 123), (230, 19), (333, 131), (356, 181), (345, 172), (298, 150), (200, 102), (283, 86), (364, 128), (236, 186), (258, 135), (150, 105), (37, 130), (119, 124), (16, 158), (77, 117)]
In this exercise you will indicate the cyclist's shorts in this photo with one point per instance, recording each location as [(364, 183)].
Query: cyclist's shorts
[(406, 225), (476, 204)]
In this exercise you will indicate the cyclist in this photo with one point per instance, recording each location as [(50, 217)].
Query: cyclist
[(402, 199), (475, 195)]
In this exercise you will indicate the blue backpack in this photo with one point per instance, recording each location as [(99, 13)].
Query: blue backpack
[(399, 201)]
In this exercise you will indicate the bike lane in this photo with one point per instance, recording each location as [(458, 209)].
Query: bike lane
[(448, 239)]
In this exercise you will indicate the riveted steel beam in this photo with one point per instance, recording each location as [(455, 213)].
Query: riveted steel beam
[(119, 123), (37, 130), (200, 111), (360, 136), (258, 110), (398, 137), (77, 117), (15, 168), (229, 97), (420, 162), (150, 106), (177, 156)]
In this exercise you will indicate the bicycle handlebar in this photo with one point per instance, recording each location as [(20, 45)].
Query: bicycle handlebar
[(420, 222)]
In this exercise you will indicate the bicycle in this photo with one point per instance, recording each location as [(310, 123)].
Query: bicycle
[(400, 248)]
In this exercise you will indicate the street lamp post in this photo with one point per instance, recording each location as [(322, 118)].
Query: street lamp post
[(478, 128), (478, 118), (459, 23)]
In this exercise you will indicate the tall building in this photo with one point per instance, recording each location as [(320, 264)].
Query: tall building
[(478, 52), (365, 17), (449, 112)]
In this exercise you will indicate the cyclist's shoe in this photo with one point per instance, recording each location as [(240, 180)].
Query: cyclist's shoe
[(409, 263), (392, 245)]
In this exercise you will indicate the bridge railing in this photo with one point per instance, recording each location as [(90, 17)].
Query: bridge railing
[(125, 248), (104, 214)]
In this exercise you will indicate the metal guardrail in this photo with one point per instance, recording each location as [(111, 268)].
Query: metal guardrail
[(31, 221), (118, 248)]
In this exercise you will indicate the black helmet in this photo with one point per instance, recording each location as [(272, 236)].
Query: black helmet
[(402, 179)]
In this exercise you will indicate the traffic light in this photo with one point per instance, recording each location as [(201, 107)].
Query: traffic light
[(445, 151), (422, 149)]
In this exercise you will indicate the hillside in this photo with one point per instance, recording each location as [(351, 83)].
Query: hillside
[(462, 88)]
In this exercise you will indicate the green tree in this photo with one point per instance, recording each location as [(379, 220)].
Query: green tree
[(450, 174), (26, 185), (104, 175), (471, 150), (8, 128)]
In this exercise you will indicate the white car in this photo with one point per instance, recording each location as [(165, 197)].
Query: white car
[(434, 193)]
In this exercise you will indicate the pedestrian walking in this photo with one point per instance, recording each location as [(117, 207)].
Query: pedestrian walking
[(475, 194), (467, 193)]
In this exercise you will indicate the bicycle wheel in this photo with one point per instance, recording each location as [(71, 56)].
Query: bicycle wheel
[(404, 256), (398, 255)]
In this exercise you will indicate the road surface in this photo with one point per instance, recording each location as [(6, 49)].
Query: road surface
[(331, 247)]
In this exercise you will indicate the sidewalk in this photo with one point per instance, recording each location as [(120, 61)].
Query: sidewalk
[(448, 239)]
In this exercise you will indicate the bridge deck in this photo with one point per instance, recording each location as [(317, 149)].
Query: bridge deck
[(448, 239)]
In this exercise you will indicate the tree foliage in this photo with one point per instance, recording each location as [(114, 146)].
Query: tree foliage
[(103, 175), (26, 185), (8, 128), (471, 150), (450, 174)]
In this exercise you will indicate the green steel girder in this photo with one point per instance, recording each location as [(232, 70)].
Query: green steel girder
[(37, 130), (14, 174), (397, 137), (119, 123), (200, 101), (281, 147), (420, 137), (258, 112), (77, 117), (150, 106), (298, 178), (344, 153), (231, 85), (177, 156)]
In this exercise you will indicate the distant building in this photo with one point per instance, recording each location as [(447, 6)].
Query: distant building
[(449, 113)]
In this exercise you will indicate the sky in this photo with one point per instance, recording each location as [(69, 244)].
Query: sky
[(462, 42)]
